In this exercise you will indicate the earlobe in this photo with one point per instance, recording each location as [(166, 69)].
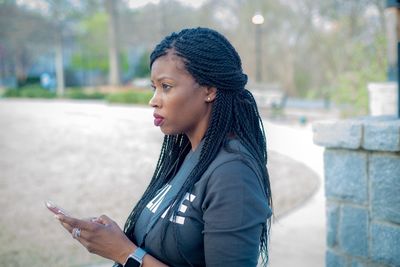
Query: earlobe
[(211, 94)]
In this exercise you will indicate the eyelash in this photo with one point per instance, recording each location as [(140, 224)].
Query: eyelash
[(165, 87)]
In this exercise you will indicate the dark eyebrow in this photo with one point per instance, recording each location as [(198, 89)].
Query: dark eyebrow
[(162, 78)]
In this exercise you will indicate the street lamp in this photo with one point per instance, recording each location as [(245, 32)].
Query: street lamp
[(258, 20)]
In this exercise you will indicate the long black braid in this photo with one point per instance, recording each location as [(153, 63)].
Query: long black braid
[(212, 61)]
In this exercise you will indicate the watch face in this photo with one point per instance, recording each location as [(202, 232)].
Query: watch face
[(132, 263)]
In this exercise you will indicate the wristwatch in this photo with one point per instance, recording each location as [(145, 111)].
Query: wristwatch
[(136, 258)]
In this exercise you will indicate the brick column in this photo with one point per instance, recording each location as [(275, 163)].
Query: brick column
[(362, 189)]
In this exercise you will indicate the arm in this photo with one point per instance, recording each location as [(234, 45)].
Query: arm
[(104, 238), (234, 212)]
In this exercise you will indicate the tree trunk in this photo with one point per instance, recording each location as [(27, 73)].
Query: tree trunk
[(59, 63), (113, 51), (19, 68)]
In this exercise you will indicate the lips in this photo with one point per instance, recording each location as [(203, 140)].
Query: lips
[(158, 120)]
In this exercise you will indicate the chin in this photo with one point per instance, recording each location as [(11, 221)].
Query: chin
[(169, 131), (166, 131)]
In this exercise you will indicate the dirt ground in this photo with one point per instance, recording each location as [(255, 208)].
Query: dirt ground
[(92, 159)]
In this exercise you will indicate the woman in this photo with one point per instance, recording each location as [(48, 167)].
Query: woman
[(208, 203)]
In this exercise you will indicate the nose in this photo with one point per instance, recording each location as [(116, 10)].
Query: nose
[(155, 100)]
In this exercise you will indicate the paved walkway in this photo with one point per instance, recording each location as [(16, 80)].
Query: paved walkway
[(298, 239)]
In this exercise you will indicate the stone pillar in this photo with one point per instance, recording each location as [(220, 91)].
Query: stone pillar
[(382, 98), (362, 189)]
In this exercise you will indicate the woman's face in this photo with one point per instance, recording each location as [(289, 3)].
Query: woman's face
[(180, 104)]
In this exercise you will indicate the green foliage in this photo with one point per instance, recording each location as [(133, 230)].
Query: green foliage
[(29, 81), (89, 62), (143, 68), (94, 30), (123, 60), (308, 46), (302, 80), (78, 93), (32, 91), (350, 87), (35, 91), (93, 54), (131, 97), (12, 92), (100, 62)]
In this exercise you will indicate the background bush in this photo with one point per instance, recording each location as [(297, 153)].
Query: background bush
[(31, 91), (130, 97), (78, 93)]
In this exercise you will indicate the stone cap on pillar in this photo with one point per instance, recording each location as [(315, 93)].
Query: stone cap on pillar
[(379, 133)]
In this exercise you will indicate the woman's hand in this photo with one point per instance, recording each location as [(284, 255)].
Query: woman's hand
[(101, 236)]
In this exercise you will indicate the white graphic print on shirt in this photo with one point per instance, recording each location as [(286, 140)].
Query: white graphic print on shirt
[(158, 199), (154, 204), (182, 208)]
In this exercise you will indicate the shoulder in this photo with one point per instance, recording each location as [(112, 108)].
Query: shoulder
[(234, 195), (233, 150), (233, 159), (234, 172), (233, 169), (234, 176)]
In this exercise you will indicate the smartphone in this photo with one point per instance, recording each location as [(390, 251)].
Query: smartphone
[(55, 209)]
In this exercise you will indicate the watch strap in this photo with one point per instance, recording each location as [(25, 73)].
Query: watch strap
[(136, 258)]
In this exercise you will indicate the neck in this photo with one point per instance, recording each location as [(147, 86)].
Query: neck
[(195, 141), (196, 135)]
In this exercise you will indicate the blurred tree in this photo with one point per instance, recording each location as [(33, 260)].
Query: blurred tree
[(278, 36), (308, 44), (354, 49), (58, 11), (143, 69), (92, 52), (113, 41), (147, 26), (350, 86), (23, 34), (64, 13)]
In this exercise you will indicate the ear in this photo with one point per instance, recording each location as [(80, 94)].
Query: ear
[(211, 94)]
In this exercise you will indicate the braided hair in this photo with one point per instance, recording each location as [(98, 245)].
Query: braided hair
[(212, 61)]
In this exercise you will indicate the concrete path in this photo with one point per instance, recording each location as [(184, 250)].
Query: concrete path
[(298, 239)]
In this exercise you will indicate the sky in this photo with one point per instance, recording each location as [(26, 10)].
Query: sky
[(134, 4), (141, 3)]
